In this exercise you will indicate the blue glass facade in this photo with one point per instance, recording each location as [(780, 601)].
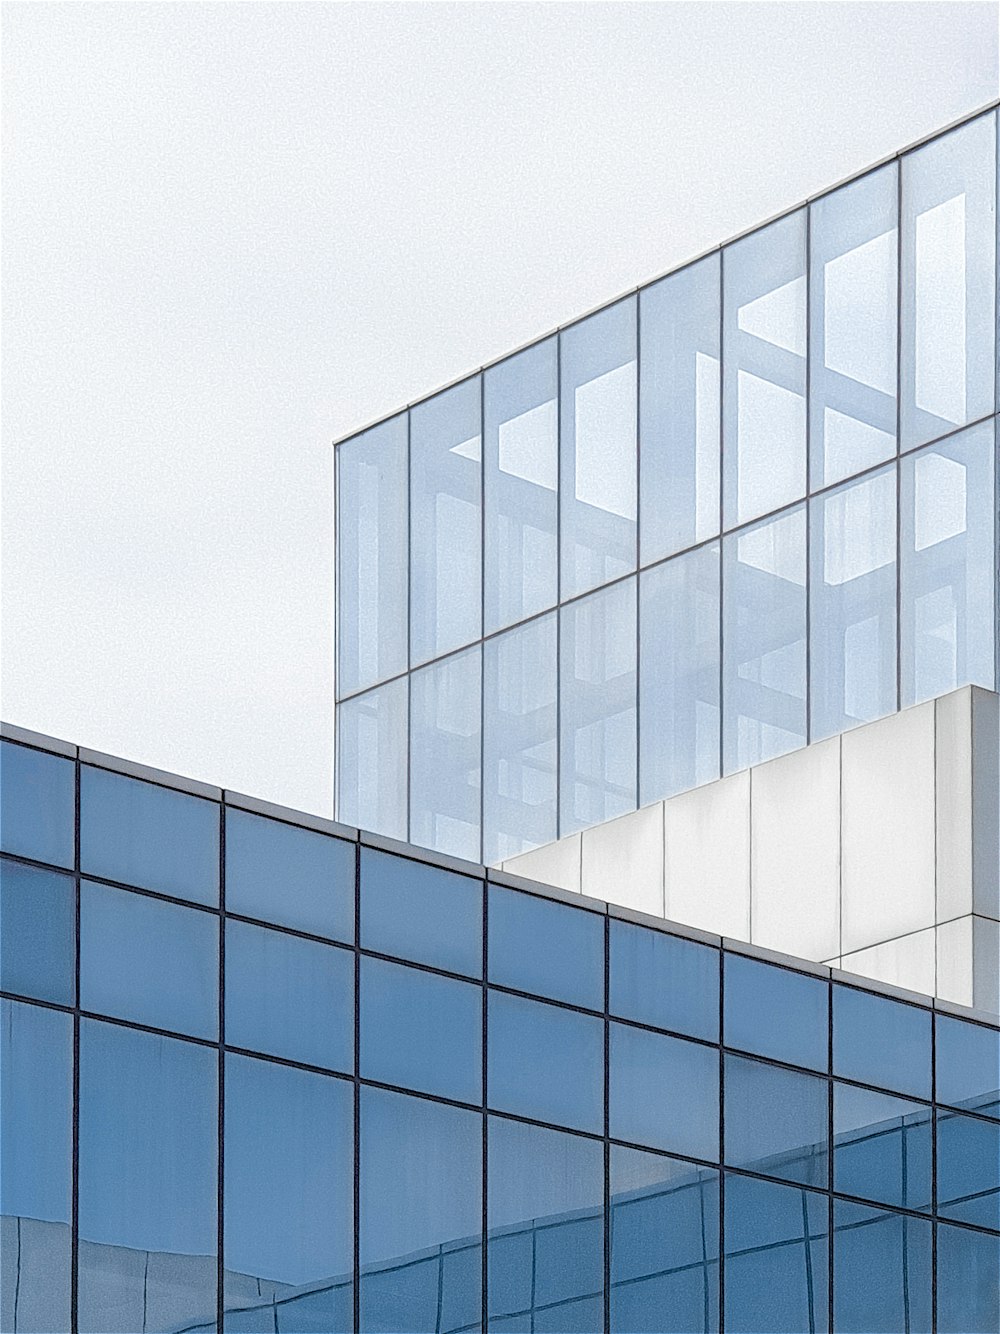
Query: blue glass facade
[(274, 1075)]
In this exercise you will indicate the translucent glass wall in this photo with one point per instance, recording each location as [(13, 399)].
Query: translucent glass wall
[(747, 507)]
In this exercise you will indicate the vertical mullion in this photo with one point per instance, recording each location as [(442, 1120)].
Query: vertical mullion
[(808, 463), (559, 559), (607, 1123), (74, 1280), (899, 432), (722, 1142), (221, 1110), (484, 1256), (637, 441), (356, 1157), (722, 523), (482, 616)]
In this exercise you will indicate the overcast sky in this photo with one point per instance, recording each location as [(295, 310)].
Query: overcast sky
[(235, 232)]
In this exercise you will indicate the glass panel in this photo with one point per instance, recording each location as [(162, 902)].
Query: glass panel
[(776, 1121), (545, 1062), (446, 555), (882, 1148), (289, 997), (372, 760), (664, 1092), (36, 1149), (664, 981), (445, 709), (151, 836), (420, 1258), (148, 1181), (37, 933), (281, 873), (597, 738), (679, 649), (775, 1012), (882, 1274), (421, 1031), (948, 288), (853, 611), (550, 948), (289, 1196), (948, 526), (421, 912), (764, 641), (519, 764), (968, 1169), (853, 242), (967, 1281), (154, 962), (371, 556), (679, 410), (598, 449), (881, 1041), (764, 369), (37, 804), (545, 1247), (968, 1065), (521, 485), (664, 1245)]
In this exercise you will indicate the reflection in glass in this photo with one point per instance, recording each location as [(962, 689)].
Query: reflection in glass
[(882, 1274), (37, 933), (968, 1167), (421, 912), (882, 1148), (881, 1041), (776, 1121), (37, 803), (445, 733), (664, 1092), (967, 1281), (550, 948), (967, 1057), (664, 981), (775, 1012), (372, 760)]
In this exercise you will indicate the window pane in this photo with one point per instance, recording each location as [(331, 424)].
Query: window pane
[(156, 963), (521, 485), (679, 410), (37, 933), (679, 674), (446, 556), (664, 981), (775, 1012), (148, 1181), (545, 1062), (968, 1280), (776, 1121), (764, 369), (882, 1148), (426, 1158), (445, 706), (881, 1272), (968, 1065), (550, 948), (664, 1092), (519, 765), (150, 836), (289, 1196), (598, 448), (881, 1041), (421, 1031), (37, 804), (948, 526), (764, 641), (289, 997), (949, 262), (372, 759), (421, 912), (664, 1245), (597, 738), (371, 556), (36, 1148), (545, 1246), (852, 326), (968, 1168)]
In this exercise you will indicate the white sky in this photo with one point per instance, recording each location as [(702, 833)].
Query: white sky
[(235, 232)]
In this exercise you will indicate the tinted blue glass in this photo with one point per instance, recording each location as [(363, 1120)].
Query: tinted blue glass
[(664, 1245), (289, 1190), (664, 980), (154, 962), (421, 1031), (545, 1238), (148, 1181), (881, 1041), (776, 1121), (881, 1148), (968, 1281), (882, 1275), (775, 1012), (545, 1062), (421, 1175), (292, 876), (37, 928), (664, 1092), (36, 1150), (968, 1169), (421, 912), (551, 948), (968, 1065), (289, 997), (149, 836), (37, 804)]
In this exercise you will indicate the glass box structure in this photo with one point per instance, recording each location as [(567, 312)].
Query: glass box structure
[(742, 509)]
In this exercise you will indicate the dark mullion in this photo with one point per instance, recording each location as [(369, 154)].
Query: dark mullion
[(356, 1156), (74, 1298), (221, 1058), (484, 1258)]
